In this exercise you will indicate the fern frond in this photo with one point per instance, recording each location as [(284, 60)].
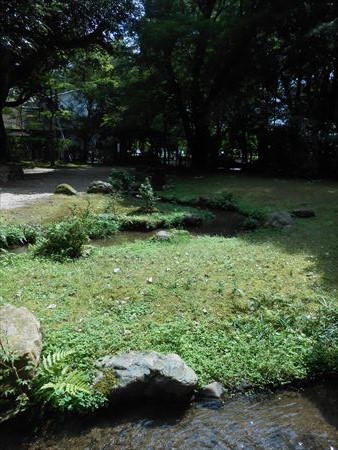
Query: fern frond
[(49, 361), (71, 383)]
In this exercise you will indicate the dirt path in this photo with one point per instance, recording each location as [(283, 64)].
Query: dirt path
[(39, 184)]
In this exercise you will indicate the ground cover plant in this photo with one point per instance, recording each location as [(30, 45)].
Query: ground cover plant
[(96, 216), (252, 311)]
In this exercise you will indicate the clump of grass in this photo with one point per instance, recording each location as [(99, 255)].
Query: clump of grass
[(63, 240), (12, 235), (174, 218)]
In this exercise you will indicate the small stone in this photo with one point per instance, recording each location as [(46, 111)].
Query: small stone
[(212, 390), (51, 306), (163, 235), (117, 270), (150, 280)]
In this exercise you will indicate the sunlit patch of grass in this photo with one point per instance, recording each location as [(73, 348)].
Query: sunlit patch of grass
[(256, 310), (236, 310)]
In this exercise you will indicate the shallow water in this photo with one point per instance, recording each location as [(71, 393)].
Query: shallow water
[(307, 419), (225, 223)]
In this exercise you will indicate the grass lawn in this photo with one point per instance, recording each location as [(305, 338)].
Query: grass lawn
[(255, 310)]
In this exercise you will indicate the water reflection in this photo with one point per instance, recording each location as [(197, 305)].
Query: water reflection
[(285, 420)]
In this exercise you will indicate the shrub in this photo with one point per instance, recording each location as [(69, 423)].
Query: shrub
[(122, 180), (225, 201), (100, 226), (148, 196), (63, 240)]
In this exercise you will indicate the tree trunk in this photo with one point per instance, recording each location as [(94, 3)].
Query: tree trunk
[(203, 147), (4, 155), (4, 88)]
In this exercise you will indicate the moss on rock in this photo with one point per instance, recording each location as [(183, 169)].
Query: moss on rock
[(65, 189)]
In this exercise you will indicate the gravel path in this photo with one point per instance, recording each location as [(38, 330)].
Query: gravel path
[(39, 184)]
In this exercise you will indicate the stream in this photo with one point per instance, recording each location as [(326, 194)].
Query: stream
[(289, 419)]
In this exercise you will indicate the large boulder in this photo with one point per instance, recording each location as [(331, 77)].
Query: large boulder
[(20, 333), (148, 375), (281, 219), (100, 187), (65, 189)]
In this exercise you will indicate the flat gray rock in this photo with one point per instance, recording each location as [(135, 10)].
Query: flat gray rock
[(149, 375)]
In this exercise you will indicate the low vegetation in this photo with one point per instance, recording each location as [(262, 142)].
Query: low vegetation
[(251, 311)]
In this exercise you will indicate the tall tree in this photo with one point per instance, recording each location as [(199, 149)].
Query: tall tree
[(38, 35), (205, 50)]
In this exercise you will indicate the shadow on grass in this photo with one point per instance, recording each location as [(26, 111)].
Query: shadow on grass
[(316, 238)]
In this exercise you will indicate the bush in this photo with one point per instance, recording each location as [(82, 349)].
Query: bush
[(122, 181), (100, 226), (63, 240), (148, 196)]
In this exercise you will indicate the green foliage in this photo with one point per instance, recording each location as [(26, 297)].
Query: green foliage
[(57, 385), (11, 235), (63, 240), (148, 197), (114, 199), (100, 226), (122, 180), (171, 218), (13, 385)]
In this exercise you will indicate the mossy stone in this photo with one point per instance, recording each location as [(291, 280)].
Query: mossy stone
[(65, 189)]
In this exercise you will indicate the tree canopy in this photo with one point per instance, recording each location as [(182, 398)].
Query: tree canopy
[(256, 77), (39, 35)]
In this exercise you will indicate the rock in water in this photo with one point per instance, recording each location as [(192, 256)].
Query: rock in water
[(280, 219), (20, 333), (150, 375), (100, 187)]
